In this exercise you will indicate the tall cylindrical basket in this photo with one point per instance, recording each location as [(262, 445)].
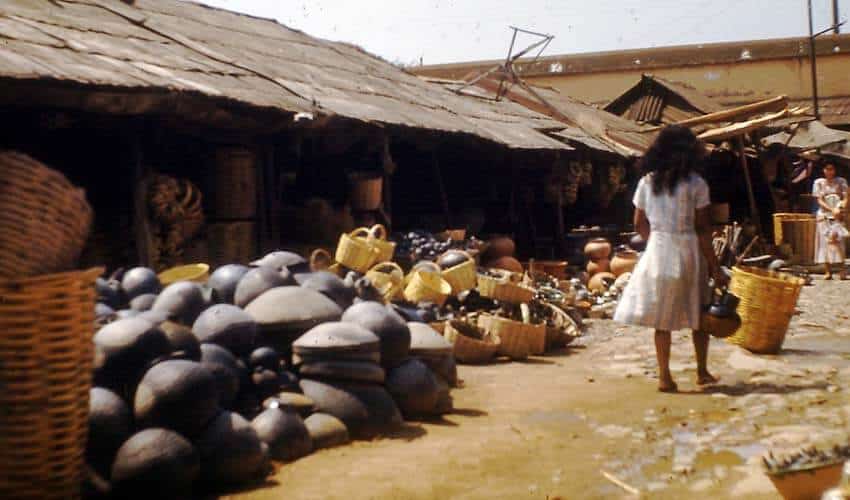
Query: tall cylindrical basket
[(46, 355)]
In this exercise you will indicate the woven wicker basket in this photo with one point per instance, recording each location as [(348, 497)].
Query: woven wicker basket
[(44, 219), (388, 278), (426, 286), (46, 355), (513, 337), (536, 335), (467, 348), (366, 190), (768, 301), (462, 277), (504, 290), (798, 230), (378, 239), (355, 252)]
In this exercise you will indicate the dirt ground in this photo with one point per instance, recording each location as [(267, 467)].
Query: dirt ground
[(549, 427)]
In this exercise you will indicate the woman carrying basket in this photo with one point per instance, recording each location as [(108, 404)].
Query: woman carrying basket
[(669, 285), (831, 194)]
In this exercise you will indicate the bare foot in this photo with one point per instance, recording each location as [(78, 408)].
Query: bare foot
[(667, 386), (706, 379)]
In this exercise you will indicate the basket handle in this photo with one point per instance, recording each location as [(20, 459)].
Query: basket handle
[(360, 232), (378, 232), (427, 263), (392, 266), (320, 255)]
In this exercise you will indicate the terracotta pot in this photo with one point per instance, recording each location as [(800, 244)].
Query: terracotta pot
[(506, 263), (624, 262), (597, 282), (597, 248), (598, 266), (501, 246)]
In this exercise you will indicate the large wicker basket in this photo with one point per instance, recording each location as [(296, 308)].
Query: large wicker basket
[(232, 184), (514, 341), (798, 230), (44, 219), (768, 301), (471, 345), (231, 242), (46, 354)]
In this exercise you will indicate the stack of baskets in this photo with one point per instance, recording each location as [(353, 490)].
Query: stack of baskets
[(426, 284), (362, 248), (46, 329), (518, 339), (472, 344), (463, 276), (768, 300)]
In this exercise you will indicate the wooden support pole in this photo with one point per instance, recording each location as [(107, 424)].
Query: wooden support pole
[(389, 168), (141, 221), (444, 197), (754, 210)]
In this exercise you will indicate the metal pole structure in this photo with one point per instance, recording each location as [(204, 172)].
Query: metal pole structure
[(813, 62), (835, 16)]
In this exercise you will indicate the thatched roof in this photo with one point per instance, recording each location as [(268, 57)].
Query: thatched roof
[(169, 56)]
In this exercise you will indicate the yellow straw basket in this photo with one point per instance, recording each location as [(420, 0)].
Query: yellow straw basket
[(198, 273), (471, 344), (378, 239), (504, 290), (355, 252), (798, 230), (768, 301), (462, 277), (46, 355), (512, 335), (426, 286), (388, 278)]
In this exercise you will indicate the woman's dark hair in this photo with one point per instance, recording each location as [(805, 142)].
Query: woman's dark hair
[(672, 158)]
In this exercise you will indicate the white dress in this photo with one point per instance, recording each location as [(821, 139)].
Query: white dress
[(669, 284), (830, 235)]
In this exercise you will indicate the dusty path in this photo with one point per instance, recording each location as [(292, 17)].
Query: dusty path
[(548, 427)]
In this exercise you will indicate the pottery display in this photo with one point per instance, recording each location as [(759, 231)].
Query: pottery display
[(140, 281), (284, 432), (624, 261), (224, 367), (366, 409), (182, 302), (123, 351), (387, 325), (598, 266), (264, 357), (359, 371), (223, 281), (178, 395), (231, 451), (143, 302), (284, 313), (332, 287), (181, 340), (228, 326), (637, 243), (332, 337), (507, 263), (282, 259), (326, 431), (415, 389), (294, 401), (599, 282), (597, 248), (257, 281), (155, 463), (110, 424)]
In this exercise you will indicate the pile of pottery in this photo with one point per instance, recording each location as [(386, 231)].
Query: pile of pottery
[(197, 388)]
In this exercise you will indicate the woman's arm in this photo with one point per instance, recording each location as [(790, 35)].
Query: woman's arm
[(642, 224), (703, 227)]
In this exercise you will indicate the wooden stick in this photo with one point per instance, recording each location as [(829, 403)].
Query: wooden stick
[(754, 210), (620, 483), (746, 251)]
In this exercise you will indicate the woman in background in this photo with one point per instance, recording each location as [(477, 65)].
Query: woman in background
[(831, 232), (668, 287)]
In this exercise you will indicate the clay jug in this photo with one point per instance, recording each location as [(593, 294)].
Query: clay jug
[(624, 262), (598, 266), (597, 248), (600, 282)]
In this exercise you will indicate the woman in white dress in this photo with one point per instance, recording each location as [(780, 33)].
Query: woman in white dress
[(830, 234), (668, 287)]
